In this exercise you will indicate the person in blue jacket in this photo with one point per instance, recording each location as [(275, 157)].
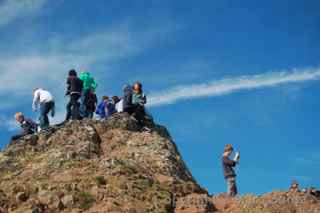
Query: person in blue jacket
[(105, 108)]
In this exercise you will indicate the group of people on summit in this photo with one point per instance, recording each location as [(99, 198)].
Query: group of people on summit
[(83, 103)]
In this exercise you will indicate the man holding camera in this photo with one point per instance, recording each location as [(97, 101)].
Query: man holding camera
[(228, 170)]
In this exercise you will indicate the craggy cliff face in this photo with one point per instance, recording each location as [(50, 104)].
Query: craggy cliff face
[(110, 166), (95, 166)]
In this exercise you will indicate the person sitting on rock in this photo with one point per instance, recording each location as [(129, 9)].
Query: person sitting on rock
[(294, 187), (74, 89), (89, 84), (45, 100), (228, 170), (28, 126), (314, 192), (139, 100), (110, 108), (105, 108), (90, 104), (118, 103), (101, 109)]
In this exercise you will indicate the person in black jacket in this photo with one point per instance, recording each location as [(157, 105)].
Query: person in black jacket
[(90, 102), (127, 99), (228, 170), (28, 126), (74, 89)]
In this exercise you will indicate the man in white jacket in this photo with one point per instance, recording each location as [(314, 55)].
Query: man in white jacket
[(45, 100)]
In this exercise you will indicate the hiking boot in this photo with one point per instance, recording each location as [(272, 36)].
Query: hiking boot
[(146, 129), (133, 118)]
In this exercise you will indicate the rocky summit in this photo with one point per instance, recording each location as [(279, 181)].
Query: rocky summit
[(112, 166)]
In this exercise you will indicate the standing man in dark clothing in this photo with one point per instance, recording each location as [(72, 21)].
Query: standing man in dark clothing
[(74, 89), (228, 170), (28, 126)]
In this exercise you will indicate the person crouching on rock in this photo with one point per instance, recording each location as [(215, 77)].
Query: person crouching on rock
[(45, 100), (228, 170), (28, 126)]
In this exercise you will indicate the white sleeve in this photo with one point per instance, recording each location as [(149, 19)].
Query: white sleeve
[(36, 99)]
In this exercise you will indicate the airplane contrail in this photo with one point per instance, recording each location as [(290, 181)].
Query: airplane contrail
[(231, 85)]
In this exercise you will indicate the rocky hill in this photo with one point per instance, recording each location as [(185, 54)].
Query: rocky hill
[(110, 166)]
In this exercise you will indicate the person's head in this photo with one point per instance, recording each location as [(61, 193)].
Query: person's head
[(72, 73), (115, 99), (294, 186), (228, 150), (127, 88), (137, 87), (19, 117), (105, 98)]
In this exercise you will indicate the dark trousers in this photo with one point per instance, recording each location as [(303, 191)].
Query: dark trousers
[(45, 108), (138, 112), (16, 137), (89, 114), (73, 107), (83, 108)]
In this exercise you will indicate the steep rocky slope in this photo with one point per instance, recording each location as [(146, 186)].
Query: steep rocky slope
[(110, 166), (96, 166)]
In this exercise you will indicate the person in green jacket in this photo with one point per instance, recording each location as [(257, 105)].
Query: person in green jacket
[(89, 84)]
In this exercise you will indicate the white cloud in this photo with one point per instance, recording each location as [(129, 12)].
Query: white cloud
[(12, 9), (231, 85)]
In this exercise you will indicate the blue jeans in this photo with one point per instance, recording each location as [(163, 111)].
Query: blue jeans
[(232, 186), (83, 110), (45, 108), (73, 107), (90, 115)]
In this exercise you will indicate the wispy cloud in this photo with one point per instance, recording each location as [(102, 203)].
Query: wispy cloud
[(231, 85), (12, 9)]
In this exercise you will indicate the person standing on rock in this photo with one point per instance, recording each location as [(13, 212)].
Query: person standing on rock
[(90, 101), (228, 170), (44, 99), (89, 84), (127, 105), (28, 126), (74, 89)]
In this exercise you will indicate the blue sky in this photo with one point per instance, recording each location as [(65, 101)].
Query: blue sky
[(216, 72)]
